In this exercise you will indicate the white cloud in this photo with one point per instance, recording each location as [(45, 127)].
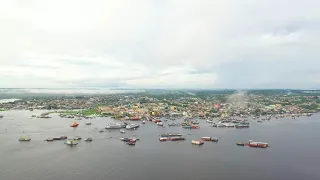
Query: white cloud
[(156, 43)]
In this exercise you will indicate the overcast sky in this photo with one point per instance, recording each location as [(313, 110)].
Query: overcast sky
[(160, 44)]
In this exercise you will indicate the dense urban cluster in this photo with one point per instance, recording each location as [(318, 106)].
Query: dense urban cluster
[(204, 104)]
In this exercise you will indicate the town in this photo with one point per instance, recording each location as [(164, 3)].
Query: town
[(189, 104)]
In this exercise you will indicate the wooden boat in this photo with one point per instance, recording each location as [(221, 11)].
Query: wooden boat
[(88, 139), (49, 139), (240, 143), (24, 138), (63, 137), (131, 143), (74, 124), (71, 142), (77, 138)]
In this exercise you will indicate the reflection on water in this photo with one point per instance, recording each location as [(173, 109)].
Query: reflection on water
[(293, 153)]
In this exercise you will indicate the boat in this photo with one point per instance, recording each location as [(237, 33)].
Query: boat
[(56, 138), (24, 138), (1, 116), (88, 123), (195, 122), (160, 124), (101, 131), (177, 138), (77, 138), (259, 121), (115, 126), (71, 142), (74, 125), (210, 139), (229, 124), (63, 137), (122, 131), (209, 121), (163, 139), (258, 144), (240, 143), (125, 139), (49, 139), (170, 134), (197, 142), (242, 126), (132, 126), (143, 122), (131, 142), (173, 124), (88, 139), (135, 118)]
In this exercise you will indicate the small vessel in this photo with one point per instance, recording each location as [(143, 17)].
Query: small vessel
[(163, 139), (143, 122), (132, 126), (242, 126), (71, 142), (115, 126), (240, 143), (160, 124), (229, 125), (56, 138), (258, 144), (177, 138), (129, 139), (75, 124), (88, 123), (131, 142), (195, 122), (210, 139), (259, 121), (24, 138), (101, 131), (88, 139), (1, 116), (209, 121), (77, 138), (49, 139), (197, 142), (63, 137), (122, 131)]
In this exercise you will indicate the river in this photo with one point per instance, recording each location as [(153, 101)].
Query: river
[(293, 155)]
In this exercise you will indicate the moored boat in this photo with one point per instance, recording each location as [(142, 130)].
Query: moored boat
[(131, 142), (77, 138), (88, 123), (163, 139), (242, 126), (160, 124)]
